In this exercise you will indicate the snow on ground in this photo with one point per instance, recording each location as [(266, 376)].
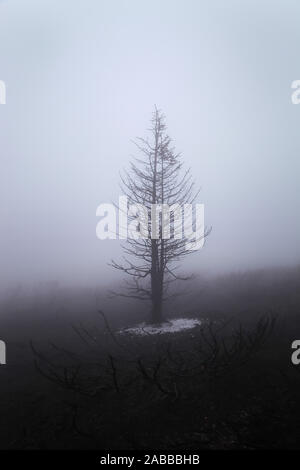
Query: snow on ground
[(172, 326)]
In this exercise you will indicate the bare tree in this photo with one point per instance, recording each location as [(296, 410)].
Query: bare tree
[(157, 182)]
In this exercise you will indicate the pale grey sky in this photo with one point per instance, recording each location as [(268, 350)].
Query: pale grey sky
[(82, 79)]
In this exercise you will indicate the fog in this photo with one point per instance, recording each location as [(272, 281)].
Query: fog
[(82, 79)]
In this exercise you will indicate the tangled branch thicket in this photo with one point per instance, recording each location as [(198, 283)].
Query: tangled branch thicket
[(132, 366)]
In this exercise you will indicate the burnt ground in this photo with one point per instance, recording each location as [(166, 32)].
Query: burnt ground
[(71, 381)]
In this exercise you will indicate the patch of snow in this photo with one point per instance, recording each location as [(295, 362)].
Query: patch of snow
[(172, 326)]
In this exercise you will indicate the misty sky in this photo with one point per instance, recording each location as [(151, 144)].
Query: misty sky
[(82, 78)]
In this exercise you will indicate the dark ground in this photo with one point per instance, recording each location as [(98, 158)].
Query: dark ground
[(227, 384)]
